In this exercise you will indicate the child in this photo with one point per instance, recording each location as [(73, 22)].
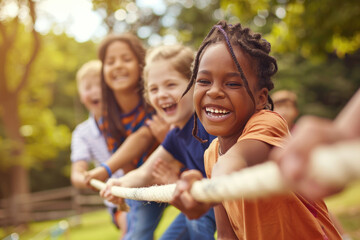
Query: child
[(167, 73), (232, 77), (285, 103), (125, 112), (88, 144)]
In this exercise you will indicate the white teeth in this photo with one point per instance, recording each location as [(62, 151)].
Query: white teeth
[(167, 105), (213, 110)]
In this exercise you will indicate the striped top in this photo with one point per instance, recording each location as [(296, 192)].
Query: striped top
[(131, 121)]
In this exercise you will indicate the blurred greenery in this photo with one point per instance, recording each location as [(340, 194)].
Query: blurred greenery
[(316, 44)]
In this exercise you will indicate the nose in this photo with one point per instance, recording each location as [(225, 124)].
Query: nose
[(162, 93), (119, 63), (215, 91)]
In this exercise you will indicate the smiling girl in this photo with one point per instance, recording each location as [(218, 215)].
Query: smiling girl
[(166, 74), (124, 116), (232, 78)]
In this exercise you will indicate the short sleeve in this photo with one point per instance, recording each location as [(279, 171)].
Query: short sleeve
[(79, 147), (171, 145), (210, 157), (266, 126)]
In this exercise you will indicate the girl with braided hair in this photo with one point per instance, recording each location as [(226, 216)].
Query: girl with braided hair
[(231, 79)]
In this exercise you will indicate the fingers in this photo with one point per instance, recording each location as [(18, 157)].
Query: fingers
[(182, 198), (106, 192), (159, 127), (293, 160)]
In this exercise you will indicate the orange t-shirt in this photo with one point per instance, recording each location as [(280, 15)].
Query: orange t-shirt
[(276, 217)]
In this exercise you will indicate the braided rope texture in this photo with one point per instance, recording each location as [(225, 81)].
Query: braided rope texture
[(336, 165)]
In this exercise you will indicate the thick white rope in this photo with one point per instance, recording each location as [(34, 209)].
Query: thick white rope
[(336, 165)]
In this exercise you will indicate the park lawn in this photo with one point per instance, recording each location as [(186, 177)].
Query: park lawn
[(97, 225), (346, 206), (90, 226)]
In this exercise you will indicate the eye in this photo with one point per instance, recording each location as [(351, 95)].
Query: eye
[(153, 90), (109, 61), (127, 58), (172, 85), (202, 81), (234, 84)]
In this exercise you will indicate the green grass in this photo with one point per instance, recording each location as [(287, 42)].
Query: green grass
[(89, 226), (346, 206), (97, 225)]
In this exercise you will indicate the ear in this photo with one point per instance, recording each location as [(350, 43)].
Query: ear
[(261, 98)]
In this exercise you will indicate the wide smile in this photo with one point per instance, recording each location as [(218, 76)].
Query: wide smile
[(95, 101), (169, 108), (216, 113)]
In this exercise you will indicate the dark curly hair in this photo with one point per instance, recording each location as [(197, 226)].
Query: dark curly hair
[(252, 43)]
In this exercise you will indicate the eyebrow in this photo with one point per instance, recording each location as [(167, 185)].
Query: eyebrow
[(229, 74)]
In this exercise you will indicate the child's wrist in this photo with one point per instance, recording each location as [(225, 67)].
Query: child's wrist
[(107, 168)]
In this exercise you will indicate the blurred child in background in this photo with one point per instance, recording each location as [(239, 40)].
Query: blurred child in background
[(88, 144), (285, 103)]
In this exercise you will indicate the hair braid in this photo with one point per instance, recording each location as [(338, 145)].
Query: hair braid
[(252, 43)]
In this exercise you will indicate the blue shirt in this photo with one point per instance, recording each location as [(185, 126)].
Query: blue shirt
[(184, 147)]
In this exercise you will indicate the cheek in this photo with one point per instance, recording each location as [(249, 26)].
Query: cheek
[(152, 100)]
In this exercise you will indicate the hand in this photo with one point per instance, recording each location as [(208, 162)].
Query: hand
[(182, 198), (106, 193), (158, 127), (96, 173), (164, 172), (293, 160)]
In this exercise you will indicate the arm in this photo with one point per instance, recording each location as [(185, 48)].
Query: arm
[(158, 127), (141, 176), (78, 170), (242, 154), (253, 151), (132, 148), (311, 132)]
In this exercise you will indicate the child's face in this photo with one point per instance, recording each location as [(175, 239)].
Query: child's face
[(220, 97), (90, 93), (165, 86), (287, 110), (121, 67)]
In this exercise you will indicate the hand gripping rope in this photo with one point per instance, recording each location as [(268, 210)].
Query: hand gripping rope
[(334, 165)]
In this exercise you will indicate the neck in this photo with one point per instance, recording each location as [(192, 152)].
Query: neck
[(225, 143), (127, 102)]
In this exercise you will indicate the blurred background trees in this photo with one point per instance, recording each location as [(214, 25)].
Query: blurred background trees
[(316, 43)]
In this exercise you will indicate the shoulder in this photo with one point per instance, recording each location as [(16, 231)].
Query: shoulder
[(267, 117), (83, 127), (267, 126)]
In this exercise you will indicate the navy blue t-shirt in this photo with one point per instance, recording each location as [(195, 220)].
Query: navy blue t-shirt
[(183, 146)]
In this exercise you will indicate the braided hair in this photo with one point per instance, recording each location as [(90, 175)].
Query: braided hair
[(252, 43)]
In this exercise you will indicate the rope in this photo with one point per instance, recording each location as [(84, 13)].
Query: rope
[(334, 165)]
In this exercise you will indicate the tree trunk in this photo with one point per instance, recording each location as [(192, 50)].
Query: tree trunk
[(17, 189)]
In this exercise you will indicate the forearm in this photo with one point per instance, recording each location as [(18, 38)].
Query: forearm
[(348, 119), (245, 153), (136, 178), (78, 170), (132, 148)]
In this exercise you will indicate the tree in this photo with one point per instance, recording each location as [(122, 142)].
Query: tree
[(29, 131)]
